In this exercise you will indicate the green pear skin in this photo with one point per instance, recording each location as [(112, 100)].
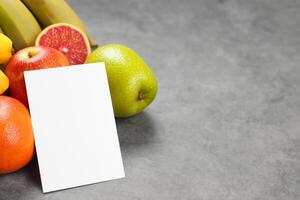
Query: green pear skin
[(132, 84)]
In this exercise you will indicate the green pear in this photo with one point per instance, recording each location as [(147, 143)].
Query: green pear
[(132, 84)]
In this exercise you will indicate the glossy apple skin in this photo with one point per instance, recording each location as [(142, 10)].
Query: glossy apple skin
[(30, 58)]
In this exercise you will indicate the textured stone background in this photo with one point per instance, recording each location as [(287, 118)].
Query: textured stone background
[(225, 124)]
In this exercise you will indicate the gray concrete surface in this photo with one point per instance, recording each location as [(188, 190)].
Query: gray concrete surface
[(225, 124)]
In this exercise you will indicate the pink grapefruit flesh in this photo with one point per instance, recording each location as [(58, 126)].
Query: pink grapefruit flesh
[(68, 39)]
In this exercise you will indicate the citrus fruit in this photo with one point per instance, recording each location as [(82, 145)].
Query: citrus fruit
[(68, 39), (132, 84), (30, 58), (16, 135), (5, 48), (4, 82)]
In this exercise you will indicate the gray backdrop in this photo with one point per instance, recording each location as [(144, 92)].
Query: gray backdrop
[(225, 123)]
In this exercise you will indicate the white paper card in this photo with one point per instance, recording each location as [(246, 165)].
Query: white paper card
[(74, 127)]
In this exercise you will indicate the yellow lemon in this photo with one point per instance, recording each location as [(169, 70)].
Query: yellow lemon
[(5, 48), (4, 82)]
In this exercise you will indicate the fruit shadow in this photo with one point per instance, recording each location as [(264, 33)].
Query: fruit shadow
[(136, 131), (33, 173)]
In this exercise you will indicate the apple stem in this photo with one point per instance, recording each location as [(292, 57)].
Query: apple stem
[(31, 54)]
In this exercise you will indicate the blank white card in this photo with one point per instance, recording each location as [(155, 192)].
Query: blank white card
[(74, 126)]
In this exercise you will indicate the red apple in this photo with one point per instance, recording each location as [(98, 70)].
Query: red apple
[(30, 58)]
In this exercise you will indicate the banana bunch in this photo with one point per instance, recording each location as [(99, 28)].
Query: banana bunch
[(22, 20), (17, 22), (50, 12)]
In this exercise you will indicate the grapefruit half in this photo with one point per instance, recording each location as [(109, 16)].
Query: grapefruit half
[(68, 39)]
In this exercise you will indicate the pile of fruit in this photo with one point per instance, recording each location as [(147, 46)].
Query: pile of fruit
[(38, 34)]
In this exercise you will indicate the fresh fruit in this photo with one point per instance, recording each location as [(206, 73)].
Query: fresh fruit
[(50, 12), (30, 58), (5, 48), (16, 135), (18, 23), (68, 39), (132, 84), (5, 53), (4, 82)]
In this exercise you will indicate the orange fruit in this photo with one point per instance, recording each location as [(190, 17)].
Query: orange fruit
[(68, 39), (16, 135)]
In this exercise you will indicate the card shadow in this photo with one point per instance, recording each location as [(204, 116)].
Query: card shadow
[(136, 131)]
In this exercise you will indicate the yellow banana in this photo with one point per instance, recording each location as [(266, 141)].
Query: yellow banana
[(17, 22), (49, 12)]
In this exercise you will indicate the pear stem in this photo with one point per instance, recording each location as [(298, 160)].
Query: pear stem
[(141, 96)]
